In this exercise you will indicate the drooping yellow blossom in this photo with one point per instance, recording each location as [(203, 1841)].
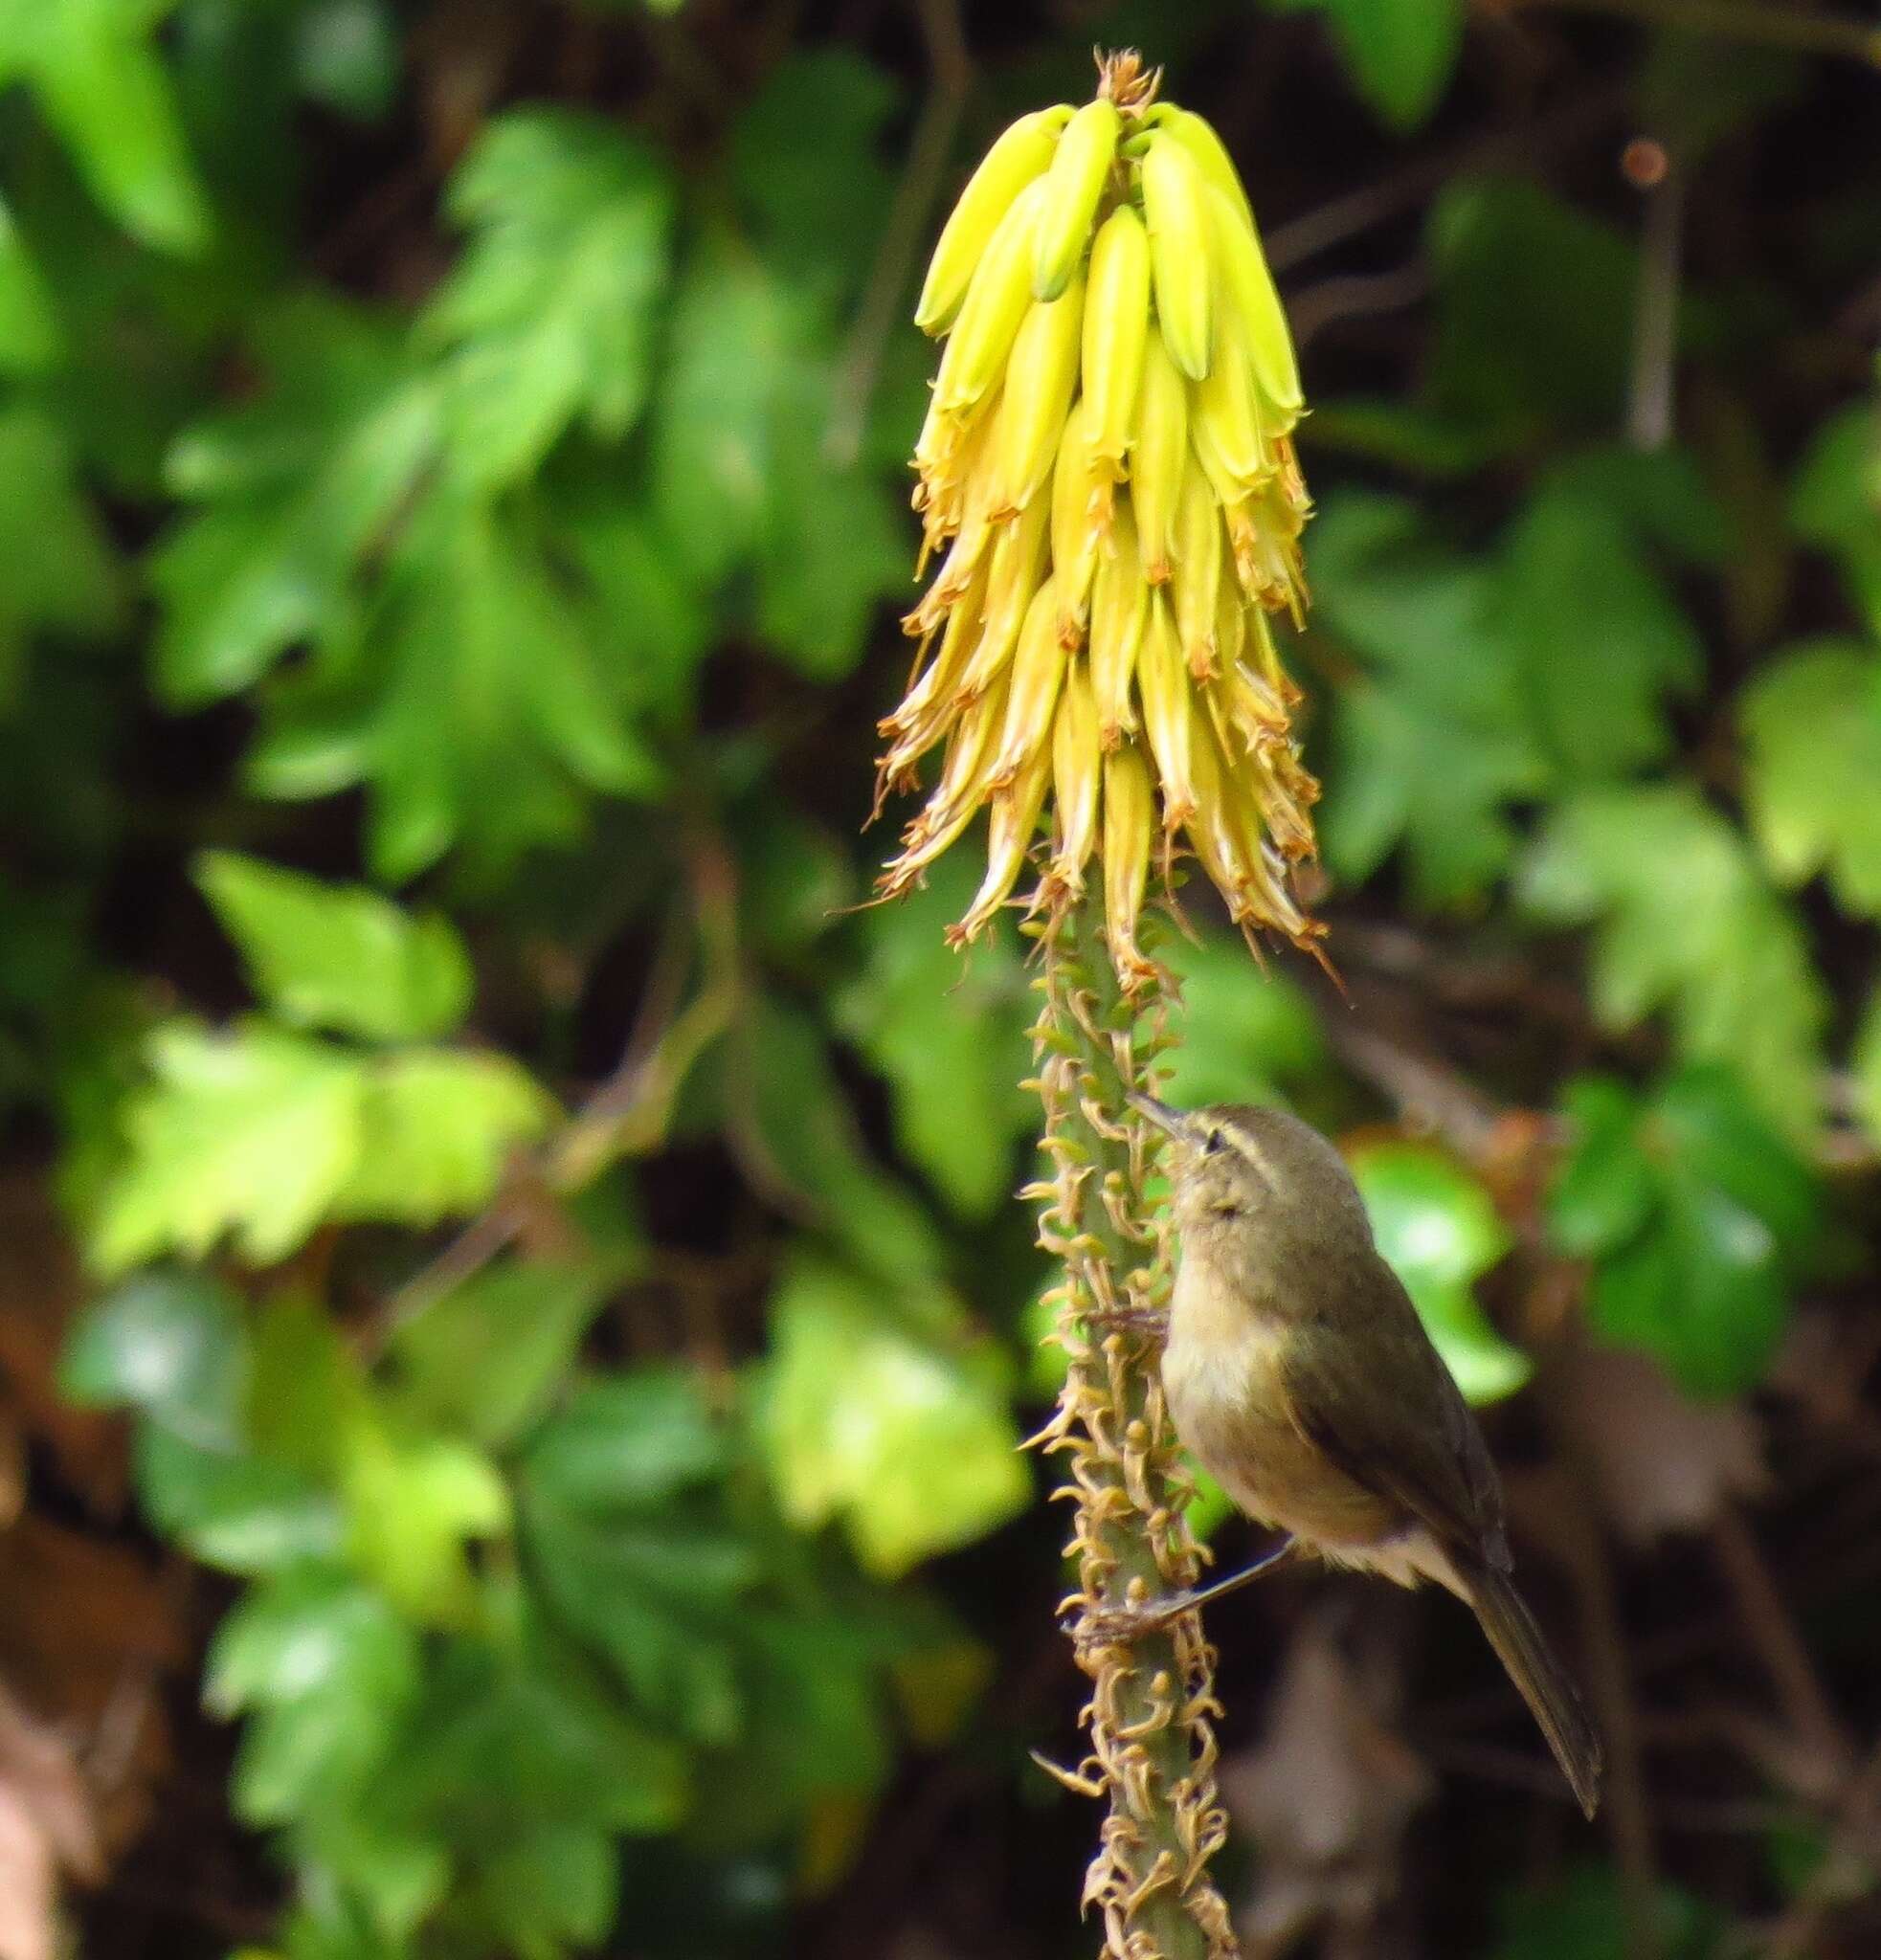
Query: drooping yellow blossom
[(1107, 481)]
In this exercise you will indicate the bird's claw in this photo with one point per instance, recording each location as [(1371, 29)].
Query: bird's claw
[(1118, 1626)]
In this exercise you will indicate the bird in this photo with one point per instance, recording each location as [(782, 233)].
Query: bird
[(1297, 1371)]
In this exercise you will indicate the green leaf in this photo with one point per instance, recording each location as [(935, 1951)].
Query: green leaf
[(30, 335), (338, 956), (237, 1512), (62, 577), (1245, 1033), (1812, 723), (469, 694), (629, 1442), (1438, 1230), (297, 486), (816, 187), (1401, 53), (437, 1127), (1433, 740), (550, 316), (1584, 1914), (910, 1442), (789, 1117), (626, 1544), (520, 1735), (1600, 641), (323, 1668), (1683, 922), (170, 1345), (415, 1502), (1528, 337), (949, 1033), (251, 1131), (102, 86), (1835, 500), (486, 1358), (1866, 1062), (740, 475), (1697, 1218)]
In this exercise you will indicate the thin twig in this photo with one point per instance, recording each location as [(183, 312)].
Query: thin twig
[(945, 35), (1405, 190), (627, 1114), (1655, 312), (1772, 1631), (1736, 20)]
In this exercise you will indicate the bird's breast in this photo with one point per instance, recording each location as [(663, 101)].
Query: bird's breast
[(1224, 1381)]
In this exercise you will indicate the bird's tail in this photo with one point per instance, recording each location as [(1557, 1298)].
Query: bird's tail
[(1551, 1696)]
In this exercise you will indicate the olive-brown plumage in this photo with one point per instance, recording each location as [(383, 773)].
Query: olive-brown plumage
[(1298, 1373)]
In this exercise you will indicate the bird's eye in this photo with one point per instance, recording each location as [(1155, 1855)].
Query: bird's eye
[(1215, 1144)]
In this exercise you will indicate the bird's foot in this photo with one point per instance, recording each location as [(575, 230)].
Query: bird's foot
[(1150, 1321), (1119, 1626)]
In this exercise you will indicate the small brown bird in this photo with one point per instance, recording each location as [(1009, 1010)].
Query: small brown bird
[(1298, 1370)]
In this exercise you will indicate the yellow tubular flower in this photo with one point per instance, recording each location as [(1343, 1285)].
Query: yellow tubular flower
[(1021, 154), (1041, 376), (1198, 586), (1077, 774), (1116, 334), (997, 296), (1160, 459), (1106, 478), (1180, 258), (1073, 185), (1119, 607)]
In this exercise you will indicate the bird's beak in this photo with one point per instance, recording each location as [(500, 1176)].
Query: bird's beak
[(1172, 1122)]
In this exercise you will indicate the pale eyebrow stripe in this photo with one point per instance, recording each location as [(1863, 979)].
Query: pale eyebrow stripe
[(1257, 1157)]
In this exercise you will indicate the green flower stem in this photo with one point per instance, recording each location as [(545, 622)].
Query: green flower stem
[(1153, 1746)]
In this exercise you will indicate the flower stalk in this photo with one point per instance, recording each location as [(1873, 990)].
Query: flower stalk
[(1111, 510), (1153, 1750)]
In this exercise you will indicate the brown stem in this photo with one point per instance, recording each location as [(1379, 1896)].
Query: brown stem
[(1153, 1746), (1739, 20)]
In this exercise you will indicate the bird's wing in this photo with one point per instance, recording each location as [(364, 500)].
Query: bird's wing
[(1387, 1411)]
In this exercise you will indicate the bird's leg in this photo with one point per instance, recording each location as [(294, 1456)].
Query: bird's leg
[(1151, 1321), (1105, 1625)]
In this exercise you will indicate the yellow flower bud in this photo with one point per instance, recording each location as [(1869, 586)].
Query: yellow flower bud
[(1247, 291), (1010, 831), (1037, 671), (1119, 607), (1018, 563), (1021, 155), (1130, 840), (1162, 682), (1041, 376), (1116, 333), (1159, 458), (996, 298), (1073, 185), (1197, 582), (1077, 778), (1173, 208), (1077, 526)]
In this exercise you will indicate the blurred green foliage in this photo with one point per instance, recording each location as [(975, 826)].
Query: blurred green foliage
[(559, 1264)]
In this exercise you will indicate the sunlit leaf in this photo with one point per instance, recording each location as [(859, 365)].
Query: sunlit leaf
[(1684, 923), (1438, 1230), (339, 956), (1812, 720), (250, 1131), (437, 1127), (1697, 1218), (910, 1444), (550, 315)]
